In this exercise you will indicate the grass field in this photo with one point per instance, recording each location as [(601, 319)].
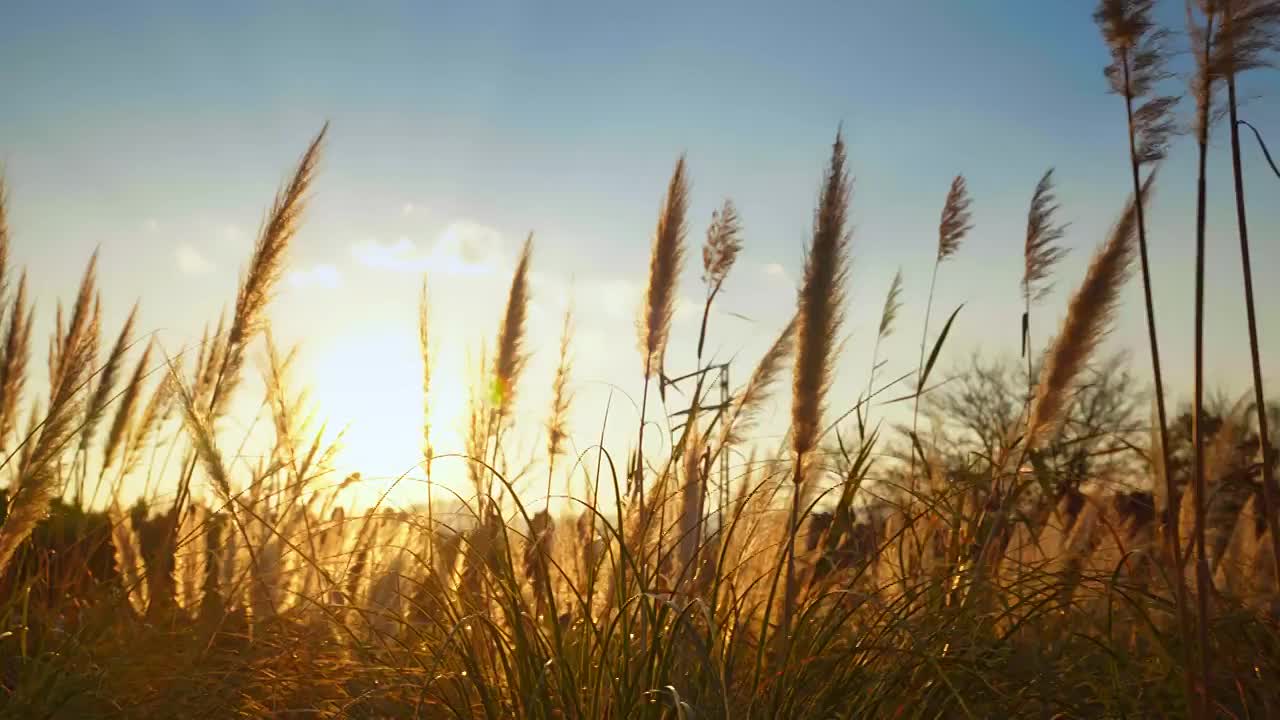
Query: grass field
[(1041, 541)]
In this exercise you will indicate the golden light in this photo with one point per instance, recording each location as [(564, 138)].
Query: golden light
[(369, 382)]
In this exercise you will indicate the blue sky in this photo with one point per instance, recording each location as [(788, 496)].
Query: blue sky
[(159, 132)]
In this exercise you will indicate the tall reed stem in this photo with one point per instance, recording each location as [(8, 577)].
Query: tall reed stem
[(638, 474), (1259, 398), (1203, 582), (1172, 544), (924, 339)]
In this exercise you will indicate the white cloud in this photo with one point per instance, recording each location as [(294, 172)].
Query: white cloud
[(463, 248), (323, 276), (400, 255), (777, 272), (470, 242), (191, 262), (408, 209), (151, 225)]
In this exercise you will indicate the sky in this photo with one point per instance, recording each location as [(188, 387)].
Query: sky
[(158, 133)]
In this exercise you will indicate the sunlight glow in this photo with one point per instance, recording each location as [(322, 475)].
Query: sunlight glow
[(370, 383)]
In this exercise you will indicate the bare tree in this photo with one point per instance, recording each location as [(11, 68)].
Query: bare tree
[(980, 413)]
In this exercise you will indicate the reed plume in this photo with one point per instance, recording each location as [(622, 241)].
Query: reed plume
[(203, 372), (719, 252), (953, 226), (888, 316), (955, 222), (718, 255), (266, 266), (820, 306), (285, 412), (1248, 33), (102, 395), (77, 347), (292, 421), (1139, 56), (820, 313), (561, 400), (750, 400), (478, 426), (892, 304), (658, 304), (105, 389), (34, 421), (128, 557), (14, 361), (37, 476), (1041, 251), (509, 359), (722, 245), (118, 431), (1089, 317), (199, 426), (153, 416)]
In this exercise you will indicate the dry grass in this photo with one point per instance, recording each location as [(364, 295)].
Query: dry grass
[(838, 579)]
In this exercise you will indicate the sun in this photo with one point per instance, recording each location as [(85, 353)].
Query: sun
[(368, 382)]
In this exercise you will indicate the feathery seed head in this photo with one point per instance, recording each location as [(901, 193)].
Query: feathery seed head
[(107, 379), (1248, 33), (561, 395), (128, 403), (1088, 320), (153, 416), (722, 246), (954, 224), (751, 399), (265, 269), (14, 360), (37, 476), (892, 304), (1041, 251), (664, 270), (1123, 22), (821, 303), (1139, 54), (510, 358)]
